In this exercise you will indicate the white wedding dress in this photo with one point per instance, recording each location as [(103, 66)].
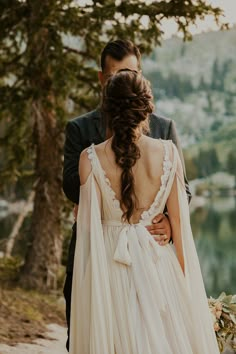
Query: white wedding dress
[(129, 294)]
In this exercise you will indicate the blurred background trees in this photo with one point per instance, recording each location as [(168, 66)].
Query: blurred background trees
[(49, 55)]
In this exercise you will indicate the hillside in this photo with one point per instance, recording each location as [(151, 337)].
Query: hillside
[(193, 59), (194, 83), (195, 79)]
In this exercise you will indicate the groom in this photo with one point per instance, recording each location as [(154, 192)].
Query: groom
[(82, 131)]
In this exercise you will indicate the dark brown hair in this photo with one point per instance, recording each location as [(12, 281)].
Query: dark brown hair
[(127, 103), (118, 50)]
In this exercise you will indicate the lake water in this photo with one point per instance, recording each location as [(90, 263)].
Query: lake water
[(214, 230)]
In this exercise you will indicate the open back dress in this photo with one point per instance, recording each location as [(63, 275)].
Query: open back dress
[(129, 294)]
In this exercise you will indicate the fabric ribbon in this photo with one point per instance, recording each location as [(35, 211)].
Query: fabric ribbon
[(128, 232)]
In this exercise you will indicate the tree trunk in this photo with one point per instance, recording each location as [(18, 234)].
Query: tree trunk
[(43, 256)]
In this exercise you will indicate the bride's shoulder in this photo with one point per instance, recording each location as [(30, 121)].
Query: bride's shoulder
[(167, 147), (102, 145), (154, 143), (102, 148), (85, 166)]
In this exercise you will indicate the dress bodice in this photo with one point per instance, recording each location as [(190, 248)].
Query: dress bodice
[(111, 209), (129, 294)]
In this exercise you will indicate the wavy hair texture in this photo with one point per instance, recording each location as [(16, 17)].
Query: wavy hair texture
[(127, 103)]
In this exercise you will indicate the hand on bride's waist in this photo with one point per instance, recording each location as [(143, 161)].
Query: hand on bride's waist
[(160, 229)]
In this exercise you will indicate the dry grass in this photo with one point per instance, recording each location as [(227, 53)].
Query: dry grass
[(24, 315)]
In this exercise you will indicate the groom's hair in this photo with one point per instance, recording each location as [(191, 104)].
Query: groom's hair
[(118, 50)]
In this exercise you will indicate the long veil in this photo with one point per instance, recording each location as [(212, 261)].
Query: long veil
[(91, 309), (202, 325), (91, 306)]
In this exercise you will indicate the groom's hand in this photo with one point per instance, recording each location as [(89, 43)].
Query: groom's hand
[(160, 229)]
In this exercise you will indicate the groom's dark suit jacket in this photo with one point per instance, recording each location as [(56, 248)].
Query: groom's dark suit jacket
[(81, 132)]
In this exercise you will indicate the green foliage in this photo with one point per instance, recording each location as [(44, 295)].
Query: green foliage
[(229, 105), (216, 77), (203, 86), (219, 74), (9, 269), (231, 164), (223, 312), (214, 153), (226, 133), (173, 85), (49, 51), (191, 167), (207, 162)]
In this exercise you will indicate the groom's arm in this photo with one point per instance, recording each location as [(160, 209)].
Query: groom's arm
[(72, 150), (172, 135)]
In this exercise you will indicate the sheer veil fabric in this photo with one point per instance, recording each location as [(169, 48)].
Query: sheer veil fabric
[(129, 295)]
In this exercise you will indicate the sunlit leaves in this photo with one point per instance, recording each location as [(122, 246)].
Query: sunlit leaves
[(49, 51)]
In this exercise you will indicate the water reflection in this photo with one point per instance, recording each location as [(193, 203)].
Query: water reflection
[(214, 233), (213, 227)]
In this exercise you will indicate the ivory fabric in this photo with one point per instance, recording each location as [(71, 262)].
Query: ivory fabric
[(129, 294)]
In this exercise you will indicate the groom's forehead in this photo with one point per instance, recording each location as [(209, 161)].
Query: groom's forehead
[(112, 65)]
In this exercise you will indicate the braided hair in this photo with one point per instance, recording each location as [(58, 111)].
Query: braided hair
[(127, 103)]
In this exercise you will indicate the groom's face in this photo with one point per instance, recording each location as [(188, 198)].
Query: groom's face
[(112, 66)]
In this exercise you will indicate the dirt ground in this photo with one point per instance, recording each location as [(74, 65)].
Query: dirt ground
[(54, 345), (24, 315), (33, 323)]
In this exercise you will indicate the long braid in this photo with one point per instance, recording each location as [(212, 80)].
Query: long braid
[(127, 103)]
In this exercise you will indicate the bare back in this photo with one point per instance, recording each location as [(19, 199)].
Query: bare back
[(147, 171)]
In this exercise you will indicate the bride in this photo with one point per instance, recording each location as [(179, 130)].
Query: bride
[(130, 295)]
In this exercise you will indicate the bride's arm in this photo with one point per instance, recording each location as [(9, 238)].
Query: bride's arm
[(174, 217), (85, 170), (174, 214)]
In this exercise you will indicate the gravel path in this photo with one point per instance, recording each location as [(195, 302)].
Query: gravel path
[(41, 346), (54, 346)]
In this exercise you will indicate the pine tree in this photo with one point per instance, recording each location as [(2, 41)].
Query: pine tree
[(48, 55), (231, 165)]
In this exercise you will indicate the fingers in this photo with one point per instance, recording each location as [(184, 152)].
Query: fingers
[(156, 230), (160, 229), (161, 239), (158, 218)]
